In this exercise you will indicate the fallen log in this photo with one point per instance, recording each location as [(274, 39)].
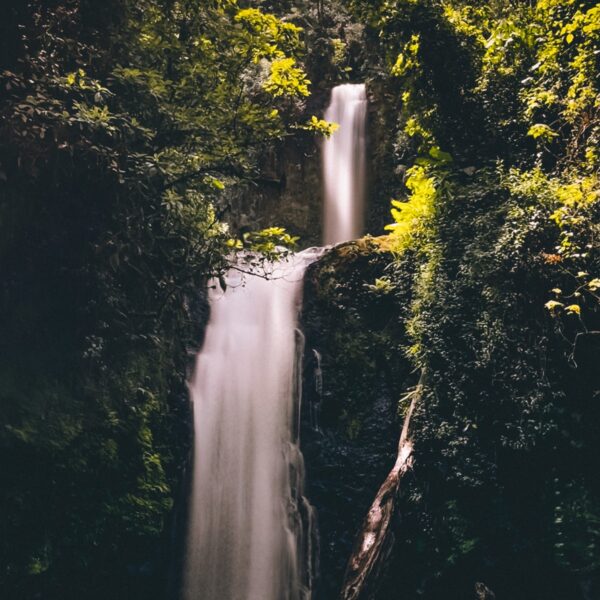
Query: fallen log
[(374, 541)]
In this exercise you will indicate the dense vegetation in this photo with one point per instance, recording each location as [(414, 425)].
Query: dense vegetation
[(494, 143), (126, 126), (120, 124)]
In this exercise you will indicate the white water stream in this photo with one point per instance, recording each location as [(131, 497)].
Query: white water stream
[(344, 165), (251, 532)]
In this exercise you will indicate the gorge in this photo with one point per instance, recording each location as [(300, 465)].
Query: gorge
[(244, 244)]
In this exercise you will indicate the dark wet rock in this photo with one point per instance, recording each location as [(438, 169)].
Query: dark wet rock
[(350, 422)]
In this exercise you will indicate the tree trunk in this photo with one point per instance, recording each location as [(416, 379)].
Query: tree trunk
[(375, 539)]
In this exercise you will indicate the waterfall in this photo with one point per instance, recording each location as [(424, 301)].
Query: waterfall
[(250, 535), (344, 165)]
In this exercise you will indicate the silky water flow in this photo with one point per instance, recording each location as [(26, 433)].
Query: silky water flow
[(344, 164), (251, 532)]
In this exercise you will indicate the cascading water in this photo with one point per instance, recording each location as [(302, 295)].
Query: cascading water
[(344, 164), (250, 535)]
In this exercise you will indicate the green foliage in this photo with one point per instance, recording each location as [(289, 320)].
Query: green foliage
[(279, 37), (413, 217), (286, 79), (494, 147), (478, 75), (382, 286), (407, 59), (268, 245), (571, 203), (122, 125), (539, 130), (321, 127)]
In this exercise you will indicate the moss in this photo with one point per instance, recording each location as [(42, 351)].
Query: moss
[(356, 325)]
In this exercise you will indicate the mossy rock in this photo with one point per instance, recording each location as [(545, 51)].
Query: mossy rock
[(357, 326)]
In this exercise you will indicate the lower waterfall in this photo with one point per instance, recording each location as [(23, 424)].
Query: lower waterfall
[(251, 531)]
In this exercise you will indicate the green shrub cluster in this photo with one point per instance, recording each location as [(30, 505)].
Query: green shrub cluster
[(122, 124), (495, 136)]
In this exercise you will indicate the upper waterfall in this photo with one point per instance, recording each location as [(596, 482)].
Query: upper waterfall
[(344, 165)]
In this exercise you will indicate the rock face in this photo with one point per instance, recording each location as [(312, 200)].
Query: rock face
[(350, 416), (287, 193)]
